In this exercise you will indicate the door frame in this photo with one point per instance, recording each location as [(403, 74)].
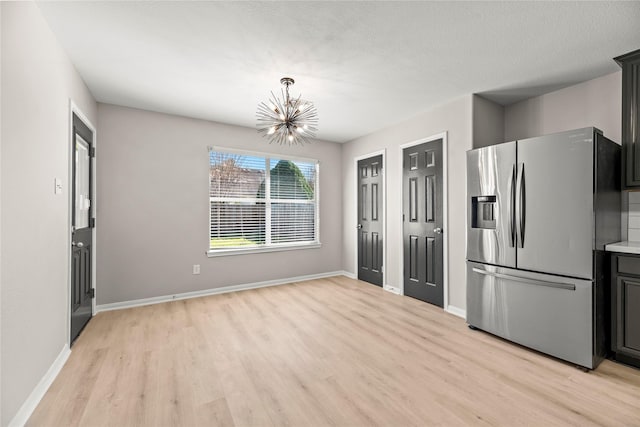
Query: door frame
[(356, 159), (445, 211), (74, 109)]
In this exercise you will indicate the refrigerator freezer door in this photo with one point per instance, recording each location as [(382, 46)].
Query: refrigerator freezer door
[(490, 204), (547, 313), (554, 203)]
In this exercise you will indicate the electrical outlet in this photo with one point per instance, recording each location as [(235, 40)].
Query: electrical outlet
[(196, 268)]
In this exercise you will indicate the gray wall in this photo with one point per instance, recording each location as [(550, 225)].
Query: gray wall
[(454, 118), (596, 102), (37, 82), (152, 214), (488, 122)]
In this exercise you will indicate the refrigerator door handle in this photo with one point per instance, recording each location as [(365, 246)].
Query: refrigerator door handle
[(523, 206), (512, 207), (520, 207), (559, 285)]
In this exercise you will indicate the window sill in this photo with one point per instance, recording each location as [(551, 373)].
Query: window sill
[(277, 248)]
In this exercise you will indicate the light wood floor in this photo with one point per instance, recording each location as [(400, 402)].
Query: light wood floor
[(325, 352)]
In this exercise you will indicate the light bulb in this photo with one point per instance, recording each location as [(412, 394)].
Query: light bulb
[(272, 130), (281, 116), (299, 129), (290, 138)]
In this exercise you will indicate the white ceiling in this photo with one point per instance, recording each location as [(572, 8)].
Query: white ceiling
[(366, 65)]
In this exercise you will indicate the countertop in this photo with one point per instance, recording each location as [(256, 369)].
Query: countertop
[(626, 247)]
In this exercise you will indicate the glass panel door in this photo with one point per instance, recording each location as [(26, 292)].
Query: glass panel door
[(82, 167)]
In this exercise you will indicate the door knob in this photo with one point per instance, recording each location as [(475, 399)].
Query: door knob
[(437, 230), (79, 244), (359, 226)]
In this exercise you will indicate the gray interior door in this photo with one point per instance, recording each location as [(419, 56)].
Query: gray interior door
[(82, 224), (422, 222), (370, 217), (554, 204)]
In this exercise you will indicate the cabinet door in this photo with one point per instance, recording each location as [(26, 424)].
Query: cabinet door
[(627, 316), (630, 64)]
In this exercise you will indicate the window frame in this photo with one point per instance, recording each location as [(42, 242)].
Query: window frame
[(271, 247)]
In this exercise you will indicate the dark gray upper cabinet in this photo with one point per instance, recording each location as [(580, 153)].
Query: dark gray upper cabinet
[(630, 64)]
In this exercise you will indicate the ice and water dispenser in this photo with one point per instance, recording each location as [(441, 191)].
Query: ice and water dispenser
[(483, 212)]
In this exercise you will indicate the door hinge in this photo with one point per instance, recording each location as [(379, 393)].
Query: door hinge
[(92, 152), (92, 293), (92, 222)]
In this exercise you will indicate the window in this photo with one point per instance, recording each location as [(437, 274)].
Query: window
[(258, 202)]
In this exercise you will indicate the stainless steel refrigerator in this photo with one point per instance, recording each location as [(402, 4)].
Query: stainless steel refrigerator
[(539, 212)]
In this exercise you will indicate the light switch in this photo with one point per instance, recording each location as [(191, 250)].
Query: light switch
[(57, 186)]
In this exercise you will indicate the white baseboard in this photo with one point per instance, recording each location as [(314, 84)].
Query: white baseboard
[(349, 275), (456, 311), (392, 289), (214, 291), (41, 388)]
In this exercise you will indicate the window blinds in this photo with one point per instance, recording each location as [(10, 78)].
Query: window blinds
[(259, 201)]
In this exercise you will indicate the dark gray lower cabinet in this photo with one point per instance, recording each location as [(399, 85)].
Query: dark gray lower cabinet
[(625, 309)]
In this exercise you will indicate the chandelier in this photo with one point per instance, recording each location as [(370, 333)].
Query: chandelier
[(287, 120)]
